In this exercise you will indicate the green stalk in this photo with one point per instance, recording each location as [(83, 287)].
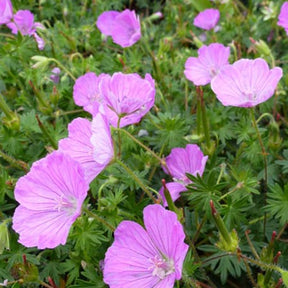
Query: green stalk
[(136, 179), (46, 133), (206, 131), (98, 218), (220, 224), (254, 123)]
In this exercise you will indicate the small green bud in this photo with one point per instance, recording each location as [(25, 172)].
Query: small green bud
[(4, 237), (41, 62)]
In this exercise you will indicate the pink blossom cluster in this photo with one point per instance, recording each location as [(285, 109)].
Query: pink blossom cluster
[(22, 21)]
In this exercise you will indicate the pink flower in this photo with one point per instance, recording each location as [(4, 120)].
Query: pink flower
[(127, 97), (6, 11), (86, 92), (23, 21), (179, 162), (283, 17), (146, 258), (50, 197), (124, 27), (207, 19), (105, 22), (90, 144), (200, 70), (246, 83)]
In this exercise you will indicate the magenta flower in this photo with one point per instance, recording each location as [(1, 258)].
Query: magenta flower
[(127, 97), (23, 21), (283, 17), (86, 92), (50, 197), (200, 70), (246, 83), (179, 162), (207, 19), (105, 22), (124, 27), (146, 258), (6, 11), (90, 144)]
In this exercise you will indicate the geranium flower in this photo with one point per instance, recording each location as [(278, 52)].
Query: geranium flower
[(179, 162), (86, 92), (90, 144), (6, 11), (200, 70), (124, 27), (207, 19), (127, 97), (246, 83), (50, 197), (23, 21), (146, 258), (283, 17)]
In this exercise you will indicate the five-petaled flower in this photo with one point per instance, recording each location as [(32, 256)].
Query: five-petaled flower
[(146, 258), (124, 27), (90, 144), (50, 197), (283, 17), (200, 70), (127, 97), (179, 162), (246, 83), (207, 19)]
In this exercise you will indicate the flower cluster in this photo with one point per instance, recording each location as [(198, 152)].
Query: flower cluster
[(22, 21), (123, 27)]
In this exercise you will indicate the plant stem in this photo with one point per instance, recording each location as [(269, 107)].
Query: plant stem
[(5, 108), (206, 131), (264, 160), (98, 218), (162, 161), (136, 179), (63, 67)]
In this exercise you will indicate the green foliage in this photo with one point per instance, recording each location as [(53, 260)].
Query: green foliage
[(277, 203), (234, 177)]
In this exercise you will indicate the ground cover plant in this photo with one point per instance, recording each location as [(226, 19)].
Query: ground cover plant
[(143, 143)]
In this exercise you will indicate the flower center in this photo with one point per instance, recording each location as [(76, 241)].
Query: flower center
[(161, 267), (63, 204)]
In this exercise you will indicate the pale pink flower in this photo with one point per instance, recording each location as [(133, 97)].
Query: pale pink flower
[(179, 162), (105, 22), (90, 144), (6, 11), (146, 258), (23, 21), (86, 92), (200, 70), (50, 197), (124, 27), (283, 17), (127, 97), (207, 19), (246, 83)]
